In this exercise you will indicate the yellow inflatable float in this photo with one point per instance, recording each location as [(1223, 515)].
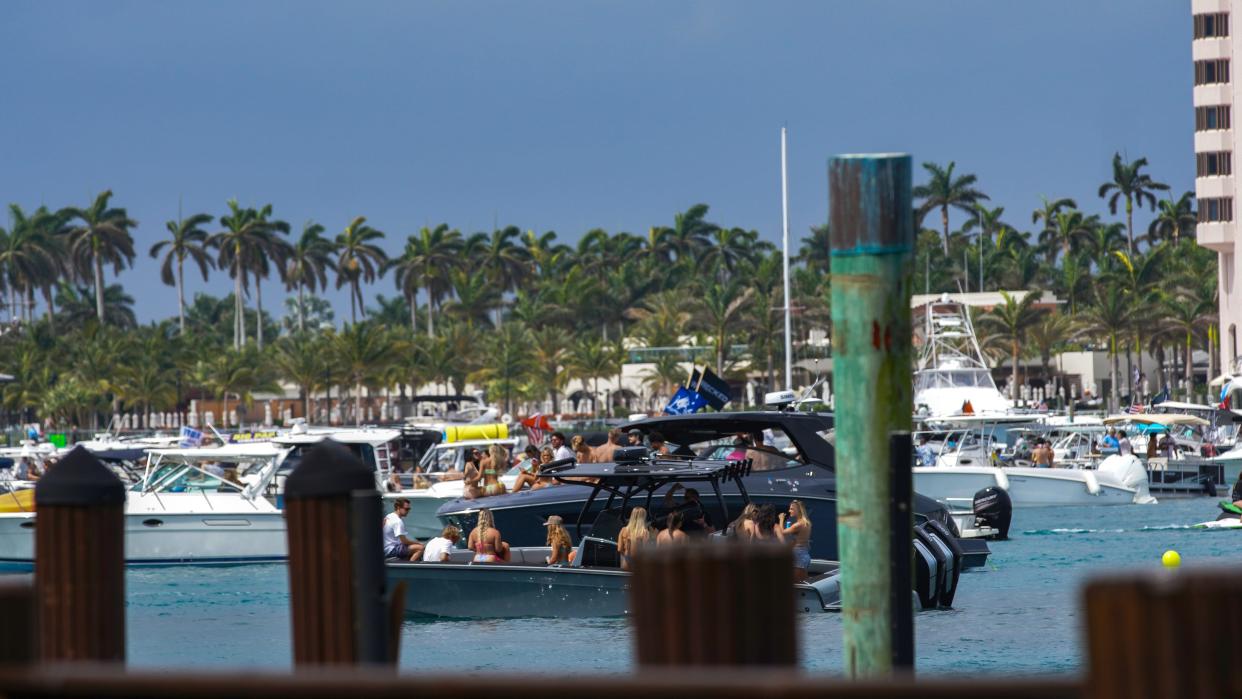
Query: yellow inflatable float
[(458, 433)]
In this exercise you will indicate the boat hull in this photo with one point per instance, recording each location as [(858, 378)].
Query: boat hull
[(166, 538), (1027, 487)]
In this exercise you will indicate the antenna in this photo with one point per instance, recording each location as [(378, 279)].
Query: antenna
[(785, 262)]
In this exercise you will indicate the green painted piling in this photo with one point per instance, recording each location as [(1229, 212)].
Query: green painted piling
[(872, 241)]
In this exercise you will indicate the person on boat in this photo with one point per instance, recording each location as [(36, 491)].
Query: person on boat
[(796, 530), (528, 468), (655, 442), (1111, 443), (396, 543), (1236, 495), (672, 533), (558, 446), (695, 520), (927, 456), (494, 462), (437, 550), (743, 528), (1042, 454), (636, 534), (558, 540), (766, 523), (545, 457), (486, 542), (634, 438), (604, 453), (582, 451)]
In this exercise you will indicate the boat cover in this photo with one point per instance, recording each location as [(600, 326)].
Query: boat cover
[(1127, 470)]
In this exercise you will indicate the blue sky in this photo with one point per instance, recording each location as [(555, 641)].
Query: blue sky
[(570, 115)]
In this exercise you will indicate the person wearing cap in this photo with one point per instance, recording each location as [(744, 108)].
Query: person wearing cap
[(635, 438), (558, 540)]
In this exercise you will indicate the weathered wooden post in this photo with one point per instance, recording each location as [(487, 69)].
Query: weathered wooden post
[(1165, 635), (19, 642), (872, 232), (714, 606), (336, 560), (80, 561)]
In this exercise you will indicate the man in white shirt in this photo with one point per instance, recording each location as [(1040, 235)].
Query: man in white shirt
[(396, 543), (437, 550), (559, 449)]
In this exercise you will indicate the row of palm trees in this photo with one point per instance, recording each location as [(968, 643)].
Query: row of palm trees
[(524, 314)]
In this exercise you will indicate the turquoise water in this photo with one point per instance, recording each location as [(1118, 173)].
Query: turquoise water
[(1018, 616)]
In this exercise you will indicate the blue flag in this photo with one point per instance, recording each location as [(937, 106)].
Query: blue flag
[(685, 402), (190, 437)]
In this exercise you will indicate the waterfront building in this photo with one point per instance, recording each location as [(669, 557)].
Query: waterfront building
[(1216, 187)]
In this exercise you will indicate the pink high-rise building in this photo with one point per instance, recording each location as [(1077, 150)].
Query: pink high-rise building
[(1216, 187)]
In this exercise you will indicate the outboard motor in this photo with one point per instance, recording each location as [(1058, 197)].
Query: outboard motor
[(993, 508)]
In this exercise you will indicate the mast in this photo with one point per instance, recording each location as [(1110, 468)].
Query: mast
[(785, 262)]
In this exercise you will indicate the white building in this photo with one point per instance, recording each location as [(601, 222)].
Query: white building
[(1216, 188)]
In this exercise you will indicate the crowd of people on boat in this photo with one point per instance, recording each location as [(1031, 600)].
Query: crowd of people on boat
[(686, 522)]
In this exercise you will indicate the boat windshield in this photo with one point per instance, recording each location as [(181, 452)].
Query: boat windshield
[(954, 378), (185, 478)]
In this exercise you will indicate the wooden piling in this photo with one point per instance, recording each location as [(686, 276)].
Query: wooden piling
[(19, 642), (80, 561), (714, 605), (872, 240), (1172, 635), (336, 565), (901, 513)]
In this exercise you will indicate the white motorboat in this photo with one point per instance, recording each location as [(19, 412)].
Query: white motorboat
[(428, 489), (200, 506), (963, 465), (952, 377)]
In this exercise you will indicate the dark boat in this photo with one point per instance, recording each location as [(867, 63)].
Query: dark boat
[(594, 584), (803, 470)]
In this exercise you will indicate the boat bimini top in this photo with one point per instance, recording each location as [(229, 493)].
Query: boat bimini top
[(635, 472), (177, 470)]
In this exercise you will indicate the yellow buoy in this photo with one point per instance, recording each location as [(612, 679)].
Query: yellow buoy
[(1171, 559)]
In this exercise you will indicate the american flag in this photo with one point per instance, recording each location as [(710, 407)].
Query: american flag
[(537, 426), (1136, 409)]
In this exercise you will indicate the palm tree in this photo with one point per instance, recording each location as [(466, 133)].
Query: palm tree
[(1048, 210), (365, 351), (1110, 317), (434, 251), (247, 234), (1064, 231), (505, 262), (1139, 277), (1189, 316), (102, 233), (475, 298), (24, 260), (989, 223), (550, 350), (1053, 330), (359, 259), (721, 308), (944, 191), (1174, 219), (273, 255), (302, 360), (147, 384), (1011, 320), (814, 249), (1131, 184), (690, 232), (188, 240), (588, 360), (307, 265), (234, 373), (509, 361), (77, 309)]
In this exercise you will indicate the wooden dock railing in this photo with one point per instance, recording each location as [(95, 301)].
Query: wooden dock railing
[(1176, 635)]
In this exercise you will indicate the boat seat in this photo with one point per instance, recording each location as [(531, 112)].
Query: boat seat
[(596, 553)]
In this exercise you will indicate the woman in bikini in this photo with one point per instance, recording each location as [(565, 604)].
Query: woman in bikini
[(529, 467), (558, 541), (634, 536), (798, 532), (486, 542), (545, 457), (492, 463), (672, 533)]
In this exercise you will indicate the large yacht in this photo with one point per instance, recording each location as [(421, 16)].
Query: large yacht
[(952, 377)]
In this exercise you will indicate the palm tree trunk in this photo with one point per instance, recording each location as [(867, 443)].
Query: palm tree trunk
[(99, 290), (1013, 390), (411, 298), (595, 396), (1190, 369), (13, 314), (181, 293), (51, 307), (357, 404), (306, 401), (224, 411), (1112, 373), (944, 222), (431, 328), (258, 319), (362, 307), (238, 334), (301, 310), (353, 314), (1130, 223)]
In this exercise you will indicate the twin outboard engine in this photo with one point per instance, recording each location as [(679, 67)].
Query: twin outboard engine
[(937, 565), (993, 508)]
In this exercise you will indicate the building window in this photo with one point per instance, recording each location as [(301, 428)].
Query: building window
[(1211, 118), (1213, 71), (1216, 209), (1214, 163), (1211, 25)]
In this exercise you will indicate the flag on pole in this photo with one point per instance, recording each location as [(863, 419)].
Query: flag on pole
[(536, 427), (714, 389), (684, 402), (190, 437)]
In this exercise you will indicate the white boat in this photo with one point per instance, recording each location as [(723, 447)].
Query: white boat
[(200, 506), (952, 377), (428, 491), (963, 466)]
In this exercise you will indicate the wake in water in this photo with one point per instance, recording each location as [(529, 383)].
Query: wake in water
[(1150, 528)]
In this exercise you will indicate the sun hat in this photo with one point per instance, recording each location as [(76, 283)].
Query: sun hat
[(553, 521)]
